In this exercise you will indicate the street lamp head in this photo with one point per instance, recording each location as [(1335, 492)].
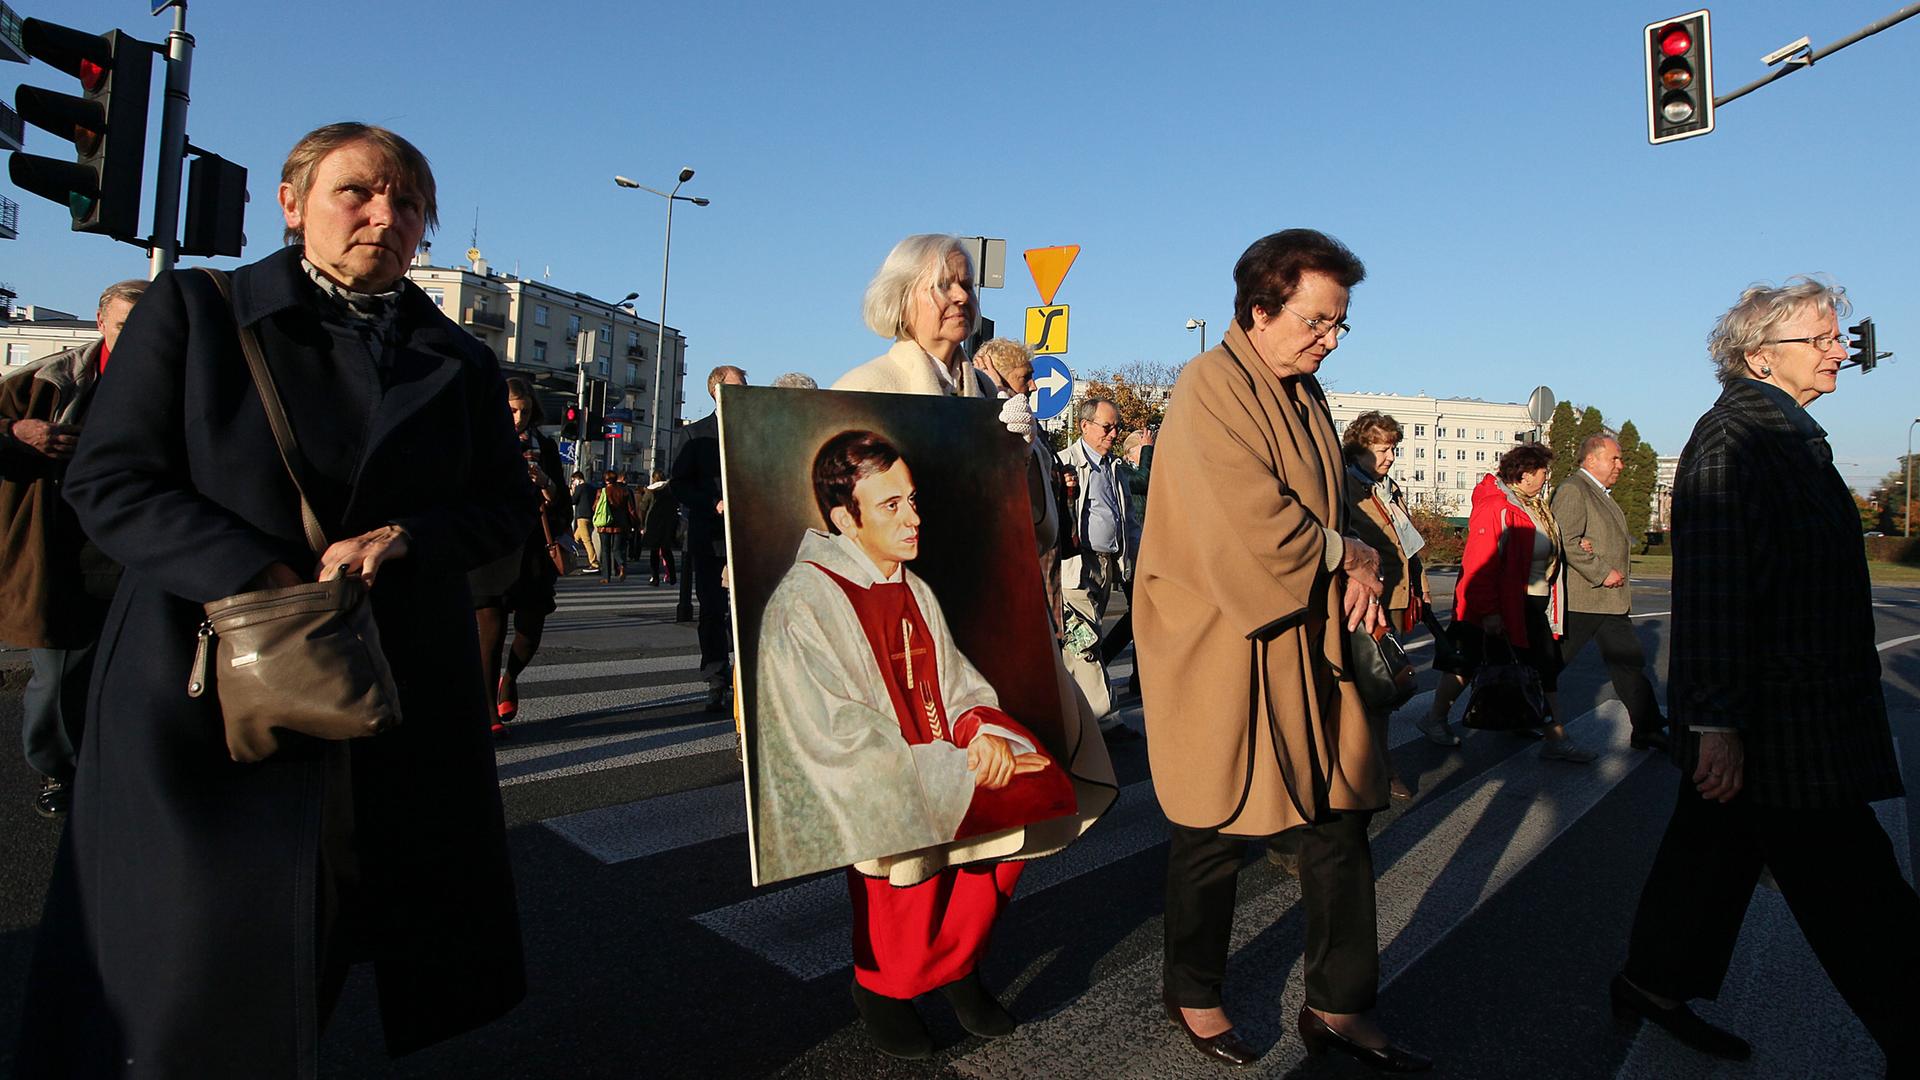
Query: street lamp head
[(629, 296), (624, 182), (702, 202), (686, 174), (1195, 324)]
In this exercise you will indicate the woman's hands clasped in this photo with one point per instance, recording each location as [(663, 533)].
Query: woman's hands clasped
[(1361, 603)]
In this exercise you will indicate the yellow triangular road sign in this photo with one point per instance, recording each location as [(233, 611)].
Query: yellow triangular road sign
[(1049, 266)]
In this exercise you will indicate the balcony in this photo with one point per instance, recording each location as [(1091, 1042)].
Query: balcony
[(13, 130), (489, 320), (11, 47), (9, 225), (636, 352)]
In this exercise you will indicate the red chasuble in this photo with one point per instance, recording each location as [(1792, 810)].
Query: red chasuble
[(903, 647)]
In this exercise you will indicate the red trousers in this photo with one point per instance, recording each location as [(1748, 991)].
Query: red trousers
[(907, 941)]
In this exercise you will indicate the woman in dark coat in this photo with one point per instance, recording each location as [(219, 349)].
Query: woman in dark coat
[(203, 912), (659, 522), (520, 584)]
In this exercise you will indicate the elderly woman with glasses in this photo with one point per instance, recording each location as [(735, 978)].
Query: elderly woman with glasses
[(1780, 723), (1249, 581)]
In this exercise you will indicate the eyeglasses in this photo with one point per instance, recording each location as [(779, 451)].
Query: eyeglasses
[(1823, 342), (1320, 327), (1108, 428)]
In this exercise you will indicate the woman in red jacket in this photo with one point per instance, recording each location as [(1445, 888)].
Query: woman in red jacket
[(1510, 589)]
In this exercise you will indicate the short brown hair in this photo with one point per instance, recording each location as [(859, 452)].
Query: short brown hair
[(130, 290), (406, 165), (1269, 272), (1522, 460), (719, 375), (843, 462), (1368, 428)]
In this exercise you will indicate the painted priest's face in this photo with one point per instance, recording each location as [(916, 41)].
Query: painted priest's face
[(889, 526)]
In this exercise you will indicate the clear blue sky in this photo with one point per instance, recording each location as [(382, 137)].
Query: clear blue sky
[(1489, 163)]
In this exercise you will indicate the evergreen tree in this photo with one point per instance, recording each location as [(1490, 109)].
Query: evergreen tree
[(1568, 459), (1639, 474), (1560, 438)]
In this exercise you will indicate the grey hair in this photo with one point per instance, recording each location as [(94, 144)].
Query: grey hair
[(918, 260), (1759, 314), (794, 380), (1592, 443), (1006, 355), (1090, 407), (130, 290)]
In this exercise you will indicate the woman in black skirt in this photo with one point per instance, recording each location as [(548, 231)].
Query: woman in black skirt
[(521, 584)]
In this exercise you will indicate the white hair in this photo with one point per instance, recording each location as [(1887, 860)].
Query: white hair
[(1758, 316), (794, 380), (916, 262)]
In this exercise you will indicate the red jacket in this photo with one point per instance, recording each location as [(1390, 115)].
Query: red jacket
[(1495, 566)]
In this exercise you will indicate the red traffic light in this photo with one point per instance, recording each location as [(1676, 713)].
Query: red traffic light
[(1674, 40)]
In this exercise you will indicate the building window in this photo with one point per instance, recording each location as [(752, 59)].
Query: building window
[(1479, 455), (1460, 455), (541, 313), (479, 301), (1460, 481), (1419, 475), (1480, 433), (573, 325), (1419, 430), (19, 354), (539, 352), (1419, 453), (1440, 477), (1499, 436), (633, 339), (600, 366), (633, 373), (438, 296)]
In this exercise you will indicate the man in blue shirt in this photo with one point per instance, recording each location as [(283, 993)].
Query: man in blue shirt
[(1104, 523)]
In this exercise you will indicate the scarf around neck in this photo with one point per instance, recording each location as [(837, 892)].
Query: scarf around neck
[(373, 311)]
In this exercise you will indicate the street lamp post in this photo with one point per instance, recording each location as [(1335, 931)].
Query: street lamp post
[(1200, 325), (1906, 490), (660, 340)]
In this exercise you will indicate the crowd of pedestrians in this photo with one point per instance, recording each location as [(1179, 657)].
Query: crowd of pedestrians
[(203, 913)]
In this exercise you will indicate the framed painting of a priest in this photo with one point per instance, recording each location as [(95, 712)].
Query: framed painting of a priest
[(901, 708)]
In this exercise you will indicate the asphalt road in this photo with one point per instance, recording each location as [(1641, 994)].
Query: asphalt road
[(1506, 888)]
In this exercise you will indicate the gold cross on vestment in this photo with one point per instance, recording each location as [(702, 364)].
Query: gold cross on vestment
[(906, 653)]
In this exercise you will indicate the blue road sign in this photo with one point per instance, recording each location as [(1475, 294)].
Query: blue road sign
[(1054, 386)]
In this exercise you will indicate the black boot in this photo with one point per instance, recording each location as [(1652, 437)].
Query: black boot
[(977, 1009), (893, 1024)]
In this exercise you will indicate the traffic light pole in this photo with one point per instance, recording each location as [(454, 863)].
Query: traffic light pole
[(173, 147), (1796, 64)]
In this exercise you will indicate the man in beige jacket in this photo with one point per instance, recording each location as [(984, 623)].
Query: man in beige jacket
[(1599, 594)]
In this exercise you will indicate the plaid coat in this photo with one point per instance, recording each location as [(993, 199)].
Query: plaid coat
[(1772, 611)]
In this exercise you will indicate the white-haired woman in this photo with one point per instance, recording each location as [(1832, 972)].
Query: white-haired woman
[(922, 920), (1780, 723)]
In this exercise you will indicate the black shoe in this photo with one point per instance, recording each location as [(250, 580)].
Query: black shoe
[(1629, 1002), (1650, 740), (1319, 1037), (1225, 1047), (893, 1024), (979, 1012), (1120, 733), (54, 799)]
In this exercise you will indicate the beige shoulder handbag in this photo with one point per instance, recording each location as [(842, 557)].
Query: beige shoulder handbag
[(305, 658)]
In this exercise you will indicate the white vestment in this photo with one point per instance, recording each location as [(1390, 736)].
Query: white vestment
[(834, 780)]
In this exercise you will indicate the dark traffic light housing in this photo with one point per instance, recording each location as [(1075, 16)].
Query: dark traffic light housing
[(107, 126), (216, 207), (1679, 73), (1863, 345)]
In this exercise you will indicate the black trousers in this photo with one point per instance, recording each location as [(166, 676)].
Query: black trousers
[(1626, 662), (1342, 958), (1837, 871), (716, 619)]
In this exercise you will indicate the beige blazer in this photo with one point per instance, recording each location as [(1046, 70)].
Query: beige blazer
[(907, 369), (1584, 510)]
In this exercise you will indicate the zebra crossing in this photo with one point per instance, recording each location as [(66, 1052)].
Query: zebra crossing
[(1487, 816)]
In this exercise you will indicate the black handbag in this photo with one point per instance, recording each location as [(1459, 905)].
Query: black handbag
[(1381, 668), (1506, 694)]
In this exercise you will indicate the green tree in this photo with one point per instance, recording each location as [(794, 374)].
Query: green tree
[(1869, 513), (1894, 499), (1136, 411), (1638, 475), (1560, 437), (1568, 459)]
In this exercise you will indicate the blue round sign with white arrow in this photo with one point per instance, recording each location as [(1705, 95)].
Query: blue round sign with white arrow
[(1053, 387)]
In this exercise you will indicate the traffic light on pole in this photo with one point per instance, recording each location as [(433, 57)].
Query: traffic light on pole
[(1863, 346), (1679, 66), (216, 207), (107, 125), (571, 428)]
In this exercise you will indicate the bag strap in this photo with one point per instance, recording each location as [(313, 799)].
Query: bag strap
[(276, 412)]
